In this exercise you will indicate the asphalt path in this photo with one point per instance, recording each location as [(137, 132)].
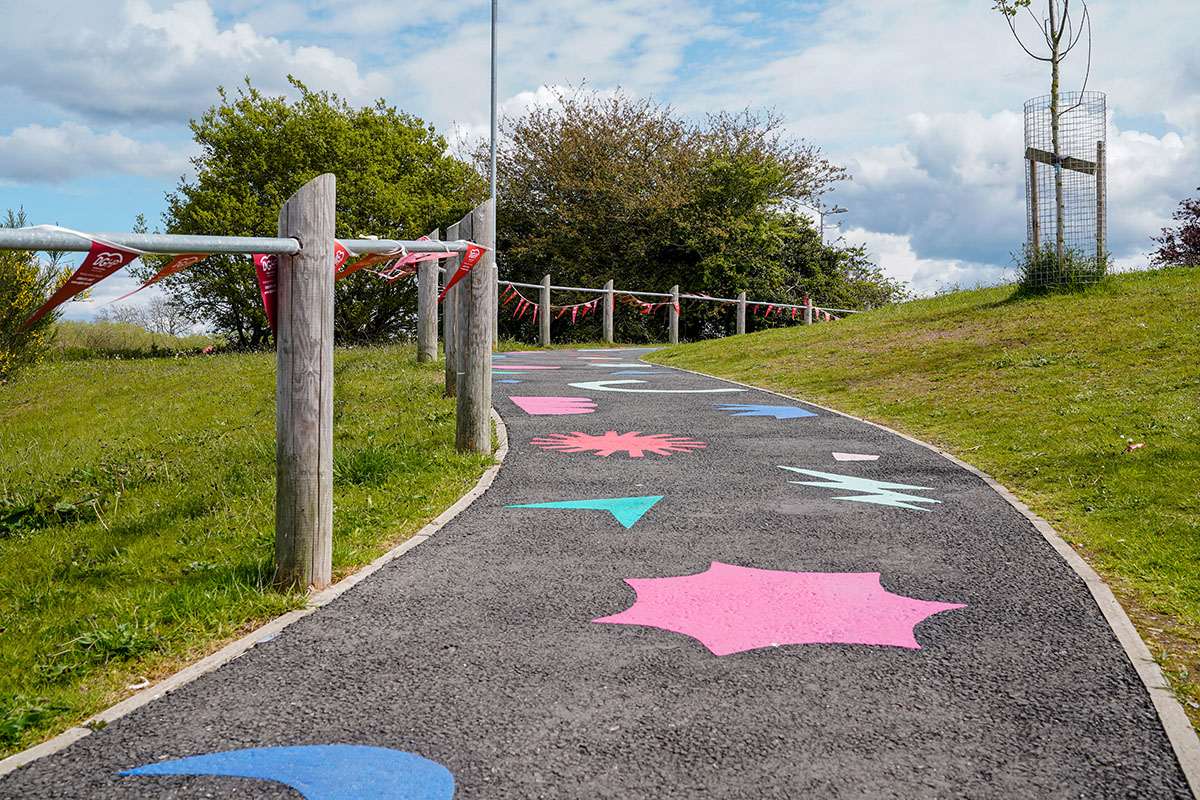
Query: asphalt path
[(721, 607)]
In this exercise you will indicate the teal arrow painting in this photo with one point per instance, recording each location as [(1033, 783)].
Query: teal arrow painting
[(627, 510)]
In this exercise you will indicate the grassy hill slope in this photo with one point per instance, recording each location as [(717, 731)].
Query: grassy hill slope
[(137, 511), (1047, 394)]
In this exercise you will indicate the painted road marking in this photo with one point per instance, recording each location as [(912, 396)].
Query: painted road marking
[(853, 457), (612, 386), (730, 609), (877, 492), (323, 772), (778, 412), (627, 510), (634, 443), (541, 406)]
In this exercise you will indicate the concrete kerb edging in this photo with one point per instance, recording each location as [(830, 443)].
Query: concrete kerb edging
[(1174, 719), (239, 647)]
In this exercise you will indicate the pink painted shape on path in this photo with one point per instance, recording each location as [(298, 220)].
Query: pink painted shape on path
[(635, 443), (729, 609), (506, 365), (544, 406), (598, 358), (854, 457)]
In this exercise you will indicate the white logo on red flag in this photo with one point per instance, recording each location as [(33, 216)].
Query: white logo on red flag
[(101, 261), (265, 265)]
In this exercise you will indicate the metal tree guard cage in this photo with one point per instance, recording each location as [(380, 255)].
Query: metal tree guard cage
[(1065, 195)]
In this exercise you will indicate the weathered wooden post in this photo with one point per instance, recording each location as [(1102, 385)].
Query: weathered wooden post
[(808, 310), (673, 316), (304, 389), (427, 303), (494, 299), (450, 318), (1035, 219), (741, 313), (1101, 250), (608, 311), (544, 313), (473, 417)]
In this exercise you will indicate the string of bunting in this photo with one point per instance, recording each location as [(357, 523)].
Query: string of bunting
[(578, 310), (104, 258)]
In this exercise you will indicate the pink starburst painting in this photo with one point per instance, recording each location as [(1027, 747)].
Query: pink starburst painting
[(634, 443), (729, 609)]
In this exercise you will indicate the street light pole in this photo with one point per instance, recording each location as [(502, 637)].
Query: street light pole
[(495, 310), (821, 219)]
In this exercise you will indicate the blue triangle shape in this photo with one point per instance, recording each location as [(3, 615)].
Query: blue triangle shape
[(627, 510)]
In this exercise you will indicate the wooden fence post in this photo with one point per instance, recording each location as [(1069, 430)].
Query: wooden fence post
[(449, 318), (608, 311), (473, 417), (494, 299), (427, 292), (544, 311), (673, 315), (741, 313), (808, 310), (1101, 234), (304, 390)]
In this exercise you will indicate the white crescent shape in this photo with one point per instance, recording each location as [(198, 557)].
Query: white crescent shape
[(611, 386)]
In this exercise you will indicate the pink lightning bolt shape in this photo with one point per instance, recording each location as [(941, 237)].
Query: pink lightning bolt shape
[(729, 609)]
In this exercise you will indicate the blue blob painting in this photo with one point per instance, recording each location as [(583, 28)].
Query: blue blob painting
[(778, 412), (508, 381), (627, 510), (323, 772)]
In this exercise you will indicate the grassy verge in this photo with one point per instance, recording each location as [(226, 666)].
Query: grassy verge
[(136, 512), (1046, 393)]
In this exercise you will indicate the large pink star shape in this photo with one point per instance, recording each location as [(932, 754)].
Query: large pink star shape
[(729, 609), (635, 443)]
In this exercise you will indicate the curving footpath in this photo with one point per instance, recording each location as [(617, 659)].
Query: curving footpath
[(676, 587)]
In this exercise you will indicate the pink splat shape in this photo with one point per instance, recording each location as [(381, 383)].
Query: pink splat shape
[(506, 365), (729, 609), (544, 406)]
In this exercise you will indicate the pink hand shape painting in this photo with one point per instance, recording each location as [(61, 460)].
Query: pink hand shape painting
[(729, 609)]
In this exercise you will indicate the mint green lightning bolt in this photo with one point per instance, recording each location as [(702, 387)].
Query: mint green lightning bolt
[(878, 492)]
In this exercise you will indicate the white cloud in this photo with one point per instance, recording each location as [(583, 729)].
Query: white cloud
[(36, 154), (894, 254), (146, 66)]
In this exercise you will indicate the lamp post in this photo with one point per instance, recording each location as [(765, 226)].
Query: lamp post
[(821, 219)]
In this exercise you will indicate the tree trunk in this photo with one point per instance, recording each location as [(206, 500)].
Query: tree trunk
[(1059, 235)]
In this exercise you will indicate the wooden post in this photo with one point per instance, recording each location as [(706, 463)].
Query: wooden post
[(1034, 212), (495, 301), (473, 417), (304, 390), (673, 315), (608, 311), (449, 318), (427, 303), (808, 309), (544, 313), (1101, 232), (741, 313)]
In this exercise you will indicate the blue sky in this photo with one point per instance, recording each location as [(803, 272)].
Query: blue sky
[(920, 99)]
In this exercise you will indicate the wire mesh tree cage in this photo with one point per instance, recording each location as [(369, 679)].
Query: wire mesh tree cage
[(1065, 195)]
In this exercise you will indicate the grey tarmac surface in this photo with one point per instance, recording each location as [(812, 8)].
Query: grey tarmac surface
[(476, 649)]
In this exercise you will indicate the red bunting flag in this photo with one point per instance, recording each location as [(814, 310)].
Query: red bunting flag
[(103, 259), (266, 265), (793, 315), (176, 264), (366, 261), (474, 253), (340, 255)]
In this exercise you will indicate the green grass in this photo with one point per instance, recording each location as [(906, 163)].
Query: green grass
[(75, 340), (136, 512), (1046, 393)]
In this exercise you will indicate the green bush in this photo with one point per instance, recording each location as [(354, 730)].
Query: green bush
[(25, 284), (1041, 268)]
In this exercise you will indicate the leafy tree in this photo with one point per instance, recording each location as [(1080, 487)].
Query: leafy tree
[(394, 181), (609, 186), (1180, 246), (25, 284)]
